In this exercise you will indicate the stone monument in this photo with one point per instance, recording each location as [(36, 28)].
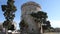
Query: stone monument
[(27, 24)]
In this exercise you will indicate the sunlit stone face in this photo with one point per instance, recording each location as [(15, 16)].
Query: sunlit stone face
[(30, 7)]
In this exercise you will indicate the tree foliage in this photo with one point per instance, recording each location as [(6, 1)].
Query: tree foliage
[(41, 17), (9, 13), (39, 14), (11, 28), (48, 25), (23, 25)]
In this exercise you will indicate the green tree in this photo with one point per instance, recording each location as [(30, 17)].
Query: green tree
[(9, 13), (23, 24), (41, 16)]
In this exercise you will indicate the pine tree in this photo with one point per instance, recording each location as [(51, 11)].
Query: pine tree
[(40, 17), (9, 13)]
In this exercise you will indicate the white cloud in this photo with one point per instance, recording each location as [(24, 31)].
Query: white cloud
[(55, 23), (17, 23)]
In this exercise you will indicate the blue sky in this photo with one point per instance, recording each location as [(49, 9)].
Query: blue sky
[(52, 7)]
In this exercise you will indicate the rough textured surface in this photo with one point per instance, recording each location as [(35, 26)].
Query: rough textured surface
[(27, 9), (52, 33), (2, 33)]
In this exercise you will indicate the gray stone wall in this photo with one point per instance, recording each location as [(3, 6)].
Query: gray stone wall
[(2, 33), (52, 33), (14, 33), (27, 9)]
